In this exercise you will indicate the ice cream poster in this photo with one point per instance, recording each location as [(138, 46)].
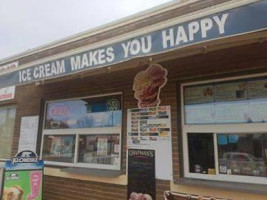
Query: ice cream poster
[(23, 177), (147, 85), (22, 185)]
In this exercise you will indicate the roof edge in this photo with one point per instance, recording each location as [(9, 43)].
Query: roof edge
[(102, 28)]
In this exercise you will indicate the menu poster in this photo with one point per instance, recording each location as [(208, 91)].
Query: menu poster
[(150, 128), (148, 125), (257, 89), (102, 146), (198, 94), (28, 133), (231, 91), (141, 174)]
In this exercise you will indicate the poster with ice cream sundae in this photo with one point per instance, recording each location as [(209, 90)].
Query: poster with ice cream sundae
[(23, 177), (147, 85)]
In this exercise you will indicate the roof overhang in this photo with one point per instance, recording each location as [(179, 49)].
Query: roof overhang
[(232, 21)]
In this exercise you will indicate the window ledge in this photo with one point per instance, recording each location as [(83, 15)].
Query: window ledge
[(111, 177), (232, 186), (92, 172)]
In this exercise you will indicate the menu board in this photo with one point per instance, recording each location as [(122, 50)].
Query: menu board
[(141, 174), (230, 91), (198, 94), (28, 133), (242, 101), (149, 125), (257, 89), (150, 128)]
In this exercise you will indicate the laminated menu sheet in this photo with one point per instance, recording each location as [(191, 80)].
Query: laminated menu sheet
[(150, 128)]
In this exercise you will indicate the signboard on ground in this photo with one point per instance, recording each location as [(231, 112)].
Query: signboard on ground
[(23, 177), (141, 174)]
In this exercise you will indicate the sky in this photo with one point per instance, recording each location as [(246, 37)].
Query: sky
[(25, 24)]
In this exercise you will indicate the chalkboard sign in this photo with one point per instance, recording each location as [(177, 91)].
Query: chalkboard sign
[(141, 174)]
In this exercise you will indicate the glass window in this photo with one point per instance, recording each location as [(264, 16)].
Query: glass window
[(201, 153), (99, 149), (84, 113), (224, 130), (242, 154), (7, 121), (227, 102), (59, 148), (83, 132)]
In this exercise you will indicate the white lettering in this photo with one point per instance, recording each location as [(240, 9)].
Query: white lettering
[(167, 38), (75, 62), (193, 28), (221, 22), (101, 56), (181, 35), (206, 24), (146, 44), (126, 49), (110, 54)]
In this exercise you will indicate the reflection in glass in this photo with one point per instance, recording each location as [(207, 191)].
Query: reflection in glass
[(242, 154), (7, 120), (84, 113), (59, 148), (201, 153), (99, 149)]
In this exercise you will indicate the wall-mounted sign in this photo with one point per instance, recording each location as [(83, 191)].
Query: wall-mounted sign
[(8, 67), (23, 177), (7, 93), (28, 133), (141, 174), (245, 19), (147, 85), (150, 128)]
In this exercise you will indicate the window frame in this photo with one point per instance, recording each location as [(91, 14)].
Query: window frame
[(10, 107), (238, 128), (83, 131)]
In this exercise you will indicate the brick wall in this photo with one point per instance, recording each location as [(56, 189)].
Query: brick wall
[(234, 61)]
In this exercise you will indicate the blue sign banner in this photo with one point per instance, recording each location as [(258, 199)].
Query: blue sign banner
[(25, 160), (241, 20)]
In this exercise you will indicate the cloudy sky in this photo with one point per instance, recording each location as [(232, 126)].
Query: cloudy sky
[(25, 24)]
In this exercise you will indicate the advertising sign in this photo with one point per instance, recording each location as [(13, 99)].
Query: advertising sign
[(147, 85), (28, 133), (150, 128), (7, 93), (23, 177), (245, 19), (141, 174), (9, 67)]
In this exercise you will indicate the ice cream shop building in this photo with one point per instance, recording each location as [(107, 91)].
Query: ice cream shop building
[(171, 99)]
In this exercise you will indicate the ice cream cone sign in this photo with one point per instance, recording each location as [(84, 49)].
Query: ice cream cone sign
[(147, 85)]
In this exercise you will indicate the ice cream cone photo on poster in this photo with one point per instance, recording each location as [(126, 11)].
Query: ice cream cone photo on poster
[(147, 85)]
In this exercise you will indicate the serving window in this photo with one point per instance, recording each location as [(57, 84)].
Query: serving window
[(225, 129), (83, 132)]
